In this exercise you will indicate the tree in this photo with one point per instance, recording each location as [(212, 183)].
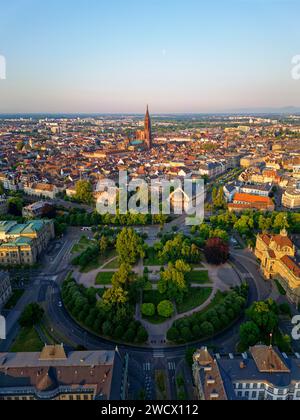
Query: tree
[(2, 190), (173, 334), (103, 245), (84, 192), (115, 296), (141, 335), (172, 282), (129, 246), (165, 309), (32, 315), (148, 309), (249, 334), (262, 315), (207, 329), (123, 277), (15, 205), (216, 251)]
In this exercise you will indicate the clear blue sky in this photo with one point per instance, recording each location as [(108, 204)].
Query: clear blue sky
[(176, 55)]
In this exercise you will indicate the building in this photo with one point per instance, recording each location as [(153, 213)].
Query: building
[(41, 190), (5, 289), (278, 258), (242, 202), (212, 169), (291, 198), (36, 210), (262, 374), (54, 374), (255, 189), (144, 136), (3, 206), (21, 244)]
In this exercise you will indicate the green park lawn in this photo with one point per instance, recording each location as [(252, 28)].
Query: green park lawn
[(195, 298), (14, 299), (99, 262), (113, 265), (104, 278), (198, 277), (27, 341), (82, 245)]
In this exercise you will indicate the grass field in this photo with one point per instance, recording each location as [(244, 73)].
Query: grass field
[(98, 262), (82, 245), (198, 277), (104, 278), (112, 265), (194, 299), (14, 299), (27, 341)]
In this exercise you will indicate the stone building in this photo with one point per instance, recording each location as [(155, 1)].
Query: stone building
[(279, 261)]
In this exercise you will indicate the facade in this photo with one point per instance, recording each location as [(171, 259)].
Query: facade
[(242, 202), (41, 190), (291, 198), (36, 210), (278, 261), (21, 244), (259, 190), (5, 289), (55, 375), (212, 169), (261, 374)]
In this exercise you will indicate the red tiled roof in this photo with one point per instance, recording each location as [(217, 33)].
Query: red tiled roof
[(291, 265)]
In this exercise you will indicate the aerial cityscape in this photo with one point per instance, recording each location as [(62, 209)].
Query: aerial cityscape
[(149, 213)]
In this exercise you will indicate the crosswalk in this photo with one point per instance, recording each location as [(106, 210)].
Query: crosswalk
[(158, 354), (172, 366), (147, 367)]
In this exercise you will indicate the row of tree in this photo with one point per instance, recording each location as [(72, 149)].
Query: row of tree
[(204, 325)]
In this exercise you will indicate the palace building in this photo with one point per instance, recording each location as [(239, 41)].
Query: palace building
[(279, 261)]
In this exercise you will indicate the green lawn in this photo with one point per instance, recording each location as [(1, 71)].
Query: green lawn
[(217, 300), (113, 265), (82, 245), (27, 341), (194, 299), (14, 299), (98, 262), (104, 278), (198, 277)]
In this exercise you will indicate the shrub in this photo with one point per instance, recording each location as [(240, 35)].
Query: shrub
[(148, 309), (165, 309)]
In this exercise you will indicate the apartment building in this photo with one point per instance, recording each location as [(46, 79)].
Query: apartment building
[(261, 374), (54, 374)]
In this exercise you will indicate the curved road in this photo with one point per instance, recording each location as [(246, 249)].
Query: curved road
[(67, 327)]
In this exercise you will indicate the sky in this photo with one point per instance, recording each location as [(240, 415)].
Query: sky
[(180, 56)]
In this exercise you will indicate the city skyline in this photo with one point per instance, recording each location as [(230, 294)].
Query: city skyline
[(180, 58)]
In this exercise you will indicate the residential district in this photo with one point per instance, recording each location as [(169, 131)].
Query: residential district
[(140, 306)]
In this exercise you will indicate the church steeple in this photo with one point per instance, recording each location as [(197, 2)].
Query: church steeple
[(148, 129)]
